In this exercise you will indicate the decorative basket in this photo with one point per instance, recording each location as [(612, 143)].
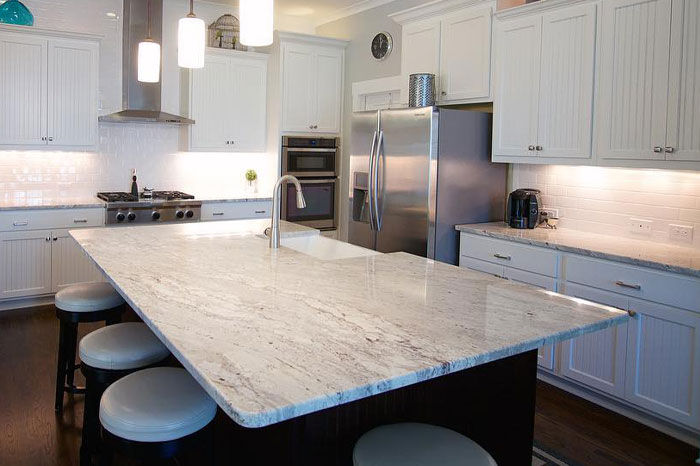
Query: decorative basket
[(225, 33)]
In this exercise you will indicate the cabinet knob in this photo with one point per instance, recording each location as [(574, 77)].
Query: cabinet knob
[(538, 147), (443, 93), (658, 149), (311, 126), (631, 313), (669, 150), (50, 138), (530, 147), (48, 238), (55, 238), (228, 142), (43, 138)]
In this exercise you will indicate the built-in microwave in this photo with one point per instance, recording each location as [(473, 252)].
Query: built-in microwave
[(303, 156)]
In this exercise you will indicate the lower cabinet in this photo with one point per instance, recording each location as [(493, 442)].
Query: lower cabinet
[(236, 210), (40, 262)]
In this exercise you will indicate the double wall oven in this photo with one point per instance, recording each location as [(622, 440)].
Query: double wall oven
[(314, 161)]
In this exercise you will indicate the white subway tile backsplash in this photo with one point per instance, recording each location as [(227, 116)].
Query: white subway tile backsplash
[(603, 200)]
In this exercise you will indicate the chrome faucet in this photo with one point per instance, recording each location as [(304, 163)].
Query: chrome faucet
[(301, 204)]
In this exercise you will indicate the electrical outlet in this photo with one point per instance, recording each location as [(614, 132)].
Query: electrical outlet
[(549, 213), (680, 233), (640, 226)]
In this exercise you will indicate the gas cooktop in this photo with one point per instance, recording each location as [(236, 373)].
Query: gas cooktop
[(144, 196), (150, 206)]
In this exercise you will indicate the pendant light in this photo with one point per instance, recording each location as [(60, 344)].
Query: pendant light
[(190, 41), (257, 21), (149, 55)]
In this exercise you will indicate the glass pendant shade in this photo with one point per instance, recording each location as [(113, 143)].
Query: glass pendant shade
[(190, 42), (257, 22), (14, 12), (149, 62)]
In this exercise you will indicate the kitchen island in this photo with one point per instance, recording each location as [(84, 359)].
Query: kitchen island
[(306, 346)]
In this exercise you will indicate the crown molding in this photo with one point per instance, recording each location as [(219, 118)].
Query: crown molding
[(434, 8), (355, 8), (537, 7), (310, 38), (39, 31)]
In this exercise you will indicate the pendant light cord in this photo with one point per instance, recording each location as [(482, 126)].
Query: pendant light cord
[(191, 13), (148, 19)]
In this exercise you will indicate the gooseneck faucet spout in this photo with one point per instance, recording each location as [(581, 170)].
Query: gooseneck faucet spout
[(301, 204)]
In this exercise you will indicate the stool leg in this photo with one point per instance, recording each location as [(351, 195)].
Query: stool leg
[(71, 344), (61, 367), (91, 424)]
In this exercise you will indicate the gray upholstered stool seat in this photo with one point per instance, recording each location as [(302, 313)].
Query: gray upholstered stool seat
[(156, 405), (411, 444), (121, 347), (88, 297)]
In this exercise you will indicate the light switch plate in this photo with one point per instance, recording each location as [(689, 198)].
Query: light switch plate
[(680, 233), (640, 226)]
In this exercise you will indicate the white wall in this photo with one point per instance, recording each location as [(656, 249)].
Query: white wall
[(152, 149)]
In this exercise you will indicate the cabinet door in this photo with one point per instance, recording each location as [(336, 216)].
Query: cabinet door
[(210, 97), (298, 88), (25, 264), (23, 90), (420, 51), (465, 61), (545, 354), (633, 79), (72, 93), (566, 82), (683, 132), (597, 359), (69, 263), (516, 94), (248, 107), (663, 367), (329, 91)]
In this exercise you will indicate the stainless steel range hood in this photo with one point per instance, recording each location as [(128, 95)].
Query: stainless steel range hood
[(141, 101)]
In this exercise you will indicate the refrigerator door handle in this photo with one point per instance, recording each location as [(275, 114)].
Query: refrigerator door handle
[(369, 181), (375, 182)]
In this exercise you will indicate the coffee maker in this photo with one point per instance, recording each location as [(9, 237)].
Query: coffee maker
[(524, 208)]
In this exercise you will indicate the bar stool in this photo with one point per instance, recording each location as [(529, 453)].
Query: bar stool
[(413, 444), (107, 355), (156, 414), (86, 302)]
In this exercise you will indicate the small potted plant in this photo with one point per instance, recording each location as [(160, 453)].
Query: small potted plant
[(252, 177)]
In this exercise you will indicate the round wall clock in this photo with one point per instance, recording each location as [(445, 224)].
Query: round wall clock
[(382, 45)]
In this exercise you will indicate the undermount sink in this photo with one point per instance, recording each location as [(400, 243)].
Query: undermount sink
[(325, 248)]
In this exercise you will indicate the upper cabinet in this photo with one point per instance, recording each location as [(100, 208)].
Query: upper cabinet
[(544, 82), (228, 101), (312, 86), (636, 62), (451, 39), (49, 88)]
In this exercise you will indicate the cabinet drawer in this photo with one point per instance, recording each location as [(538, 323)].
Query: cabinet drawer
[(481, 266), (507, 253), (236, 210), (661, 287), (45, 219)]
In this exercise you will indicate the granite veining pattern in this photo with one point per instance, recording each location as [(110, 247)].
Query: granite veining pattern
[(275, 334), (51, 203), (678, 259), (243, 198)]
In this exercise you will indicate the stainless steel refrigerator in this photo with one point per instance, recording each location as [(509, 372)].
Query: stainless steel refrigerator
[(415, 173)]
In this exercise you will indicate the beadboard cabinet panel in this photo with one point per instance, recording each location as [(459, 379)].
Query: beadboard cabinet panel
[(298, 81), (23, 62), (517, 87), (210, 93), (248, 106), (69, 263), (634, 72), (329, 78), (25, 264), (566, 83), (683, 132)]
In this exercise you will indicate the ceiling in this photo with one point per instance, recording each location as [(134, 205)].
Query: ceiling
[(315, 10)]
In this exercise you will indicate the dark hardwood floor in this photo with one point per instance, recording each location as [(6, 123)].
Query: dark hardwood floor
[(31, 434)]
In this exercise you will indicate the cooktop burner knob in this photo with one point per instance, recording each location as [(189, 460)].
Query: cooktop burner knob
[(180, 214), (155, 215), (120, 216), (131, 216), (189, 214)]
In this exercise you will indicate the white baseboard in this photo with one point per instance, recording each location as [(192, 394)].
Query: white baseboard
[(21, 303)]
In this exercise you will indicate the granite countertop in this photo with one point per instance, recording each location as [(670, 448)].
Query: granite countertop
[(51, 203), (679, 259), (242, 198), (276, 334)]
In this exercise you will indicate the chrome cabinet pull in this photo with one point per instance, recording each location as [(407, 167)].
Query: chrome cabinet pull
[(43, 138), (20, 224), (217, 214), (55, 238), (48, 238), (538, 147), (628, 285), (260, 211), (658, 149), (501, 256), (530, 147), (50, 138), (669, 150), (443, 93), (79, 220)]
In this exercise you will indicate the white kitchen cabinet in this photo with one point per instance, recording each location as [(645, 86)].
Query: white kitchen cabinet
[(543, 104), (597, 359), (312, 87), (69, 263), (663, 367), (236, 210), (25, 264), (452, 40), (228, 101), (50, 88), (634, 72), (683, 122)]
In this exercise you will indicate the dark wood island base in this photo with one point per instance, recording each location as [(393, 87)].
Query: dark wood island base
[(493, 404)]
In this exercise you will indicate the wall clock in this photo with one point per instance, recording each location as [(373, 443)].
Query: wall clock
[(382, 45)]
